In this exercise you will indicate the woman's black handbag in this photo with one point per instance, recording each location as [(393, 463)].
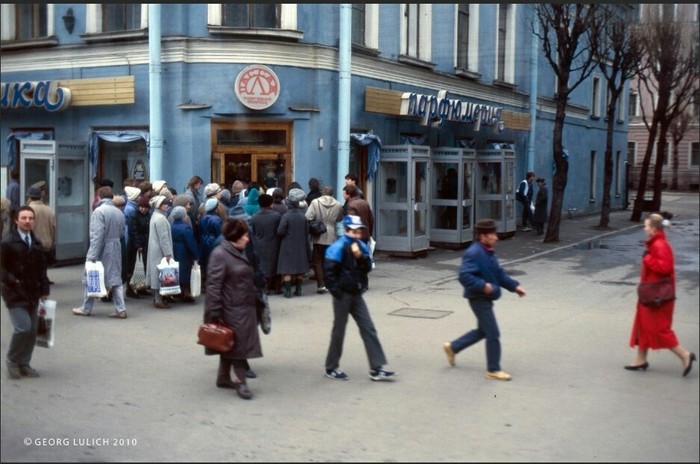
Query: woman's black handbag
[(317, 228), (654, 294)]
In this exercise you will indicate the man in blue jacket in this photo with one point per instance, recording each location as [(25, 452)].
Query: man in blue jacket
[(482, 278), (346, 266)]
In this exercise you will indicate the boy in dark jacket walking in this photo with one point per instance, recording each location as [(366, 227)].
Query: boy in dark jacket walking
[(346, 266), (482, 278)]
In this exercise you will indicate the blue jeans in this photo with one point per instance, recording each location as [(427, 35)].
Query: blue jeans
[(353, 304), (25, 324), (487, 328)]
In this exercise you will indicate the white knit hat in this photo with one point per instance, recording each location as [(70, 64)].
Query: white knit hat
[(132, 193)]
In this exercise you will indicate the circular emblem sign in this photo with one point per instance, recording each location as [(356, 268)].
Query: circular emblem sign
[(257, 87)]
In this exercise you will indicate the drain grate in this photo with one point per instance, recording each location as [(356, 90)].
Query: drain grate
[(420, 313)]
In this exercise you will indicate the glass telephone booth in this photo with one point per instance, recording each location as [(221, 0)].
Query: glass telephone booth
[(403, 195), (452, 197), (63, 166), (495, 188)]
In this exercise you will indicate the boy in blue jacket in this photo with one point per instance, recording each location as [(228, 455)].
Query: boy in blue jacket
[(482, 278), (345, 267)]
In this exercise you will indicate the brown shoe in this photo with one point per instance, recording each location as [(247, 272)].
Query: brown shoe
[(227, 383), (14, 371), (27, 371), (447, 346), (116, 315), (160, 305)]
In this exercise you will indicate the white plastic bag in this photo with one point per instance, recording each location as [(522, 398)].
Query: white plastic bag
[(371, 244), (169, 277), (138, 278), (196, 281), (46, 329), (95, 275)]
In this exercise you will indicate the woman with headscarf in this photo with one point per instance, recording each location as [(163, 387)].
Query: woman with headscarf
[(185, 250), (252, 206), (209, 230), (160, 245), (231, 278), (293, 261)]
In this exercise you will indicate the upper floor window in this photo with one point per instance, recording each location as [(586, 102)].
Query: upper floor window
[(595, 97), (251, 15), (695, 154), (269, 20), (118, 17), (633, 109), (415, 31), (505, 40), (26, 21), (358, 23), (467, 37)]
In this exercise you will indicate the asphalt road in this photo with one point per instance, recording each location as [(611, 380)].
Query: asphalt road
[(141, 389)]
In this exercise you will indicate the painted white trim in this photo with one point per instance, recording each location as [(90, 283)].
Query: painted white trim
[(7, 11), (288, 16), (425, 34), (509, 73), (473, 57), (372, 25), (51, 24), (214, 14), (144, 15), (93, 13)]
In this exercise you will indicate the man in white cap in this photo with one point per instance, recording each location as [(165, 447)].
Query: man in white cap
[(346, 267)]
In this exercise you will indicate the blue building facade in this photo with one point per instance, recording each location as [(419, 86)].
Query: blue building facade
[(252, 91)]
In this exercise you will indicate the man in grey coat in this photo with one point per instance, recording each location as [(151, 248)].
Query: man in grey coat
[(106, 230)]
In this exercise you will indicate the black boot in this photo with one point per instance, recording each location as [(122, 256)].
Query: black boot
[(297, 291), (287, 289)]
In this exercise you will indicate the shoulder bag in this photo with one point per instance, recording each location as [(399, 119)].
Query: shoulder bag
[(654, 294), (317, 227)]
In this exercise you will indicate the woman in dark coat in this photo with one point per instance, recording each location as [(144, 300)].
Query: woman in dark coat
[(540, 215), (267, 243), (138, 226), (231, 279), (652, 326), (209, 230), (293, 261), (185, 250)]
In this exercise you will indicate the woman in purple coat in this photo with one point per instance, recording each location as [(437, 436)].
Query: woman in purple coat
[(231, 279)]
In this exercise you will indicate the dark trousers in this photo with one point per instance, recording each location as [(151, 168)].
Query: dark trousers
[(25, 324), (353, 304), (317, 257), (527, 213), (487, 328)]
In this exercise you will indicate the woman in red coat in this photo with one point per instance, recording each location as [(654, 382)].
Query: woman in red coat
[(652, 326)]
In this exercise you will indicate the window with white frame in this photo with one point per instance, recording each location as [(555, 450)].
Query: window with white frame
[(592, 176), (632, 152), (416, 30), (633, 104), (266, 18), (467, 37), (365, 23), (505, 43), (595, 96), (113, 18), (694, 157), (26, 21)]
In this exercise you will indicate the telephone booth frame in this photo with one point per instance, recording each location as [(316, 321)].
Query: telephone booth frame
[(495, 189), (452, 198), (402, 200)]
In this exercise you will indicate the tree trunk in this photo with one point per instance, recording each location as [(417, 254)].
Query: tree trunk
[(560, 176), (608, 172), (674, 165), (659, 167), (642, 187)]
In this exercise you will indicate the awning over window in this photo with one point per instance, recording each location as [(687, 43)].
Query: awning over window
[(124, 136)]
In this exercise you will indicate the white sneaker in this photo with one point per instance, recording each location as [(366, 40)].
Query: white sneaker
[(80, 312)]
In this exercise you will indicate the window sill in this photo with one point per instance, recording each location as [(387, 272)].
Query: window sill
[(595, 118), (280, 34), (102, 37), (472, 75), (29, 43), (503, 84), (416, 62), (362, 50)]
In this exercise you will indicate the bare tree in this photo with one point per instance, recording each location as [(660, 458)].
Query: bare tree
[(569, 35), (678, 129), (618, 56), (670, 71)]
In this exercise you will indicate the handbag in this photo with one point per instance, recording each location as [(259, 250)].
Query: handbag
[(46, 330), (317, 227), (262, 308), (138, 278), (196, 281), (654, 294), (215, 336)]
